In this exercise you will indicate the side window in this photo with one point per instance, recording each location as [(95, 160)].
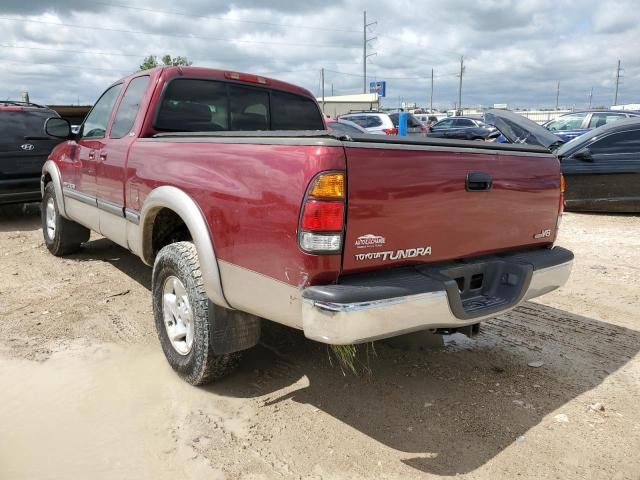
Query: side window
[(463, 122), (373, 121), (95, 125), (359, 120), (617, 143), (294, 112), (249, 108), (600, 119), (128, 109)]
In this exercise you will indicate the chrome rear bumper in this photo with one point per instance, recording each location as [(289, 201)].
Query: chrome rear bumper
[(342, 323)]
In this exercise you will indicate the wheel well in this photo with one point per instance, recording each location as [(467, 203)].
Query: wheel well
[(168, 228), (47, 179)]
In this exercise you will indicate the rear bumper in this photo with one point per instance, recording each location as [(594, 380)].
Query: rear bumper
[(20, 190), (373, 306)]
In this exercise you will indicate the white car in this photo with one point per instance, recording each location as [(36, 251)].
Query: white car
[(372, 122), (384, 123)]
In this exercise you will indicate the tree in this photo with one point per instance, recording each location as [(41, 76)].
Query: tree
[(151, 61)]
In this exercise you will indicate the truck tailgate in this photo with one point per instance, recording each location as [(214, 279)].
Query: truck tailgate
[(409, 204)]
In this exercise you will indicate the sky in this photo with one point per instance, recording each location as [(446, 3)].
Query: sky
[(515, 52)]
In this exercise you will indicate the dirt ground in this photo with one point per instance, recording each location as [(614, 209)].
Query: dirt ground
[(85, 392)]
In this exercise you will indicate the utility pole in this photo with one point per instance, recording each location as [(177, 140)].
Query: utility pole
[(322, 82), (615, 98), (460, 86), (364, 52), (557, 95), (590, 97), (332, 89), (431, 100)]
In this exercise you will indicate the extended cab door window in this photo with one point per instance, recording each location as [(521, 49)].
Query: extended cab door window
[(95, 125), (129, 106)]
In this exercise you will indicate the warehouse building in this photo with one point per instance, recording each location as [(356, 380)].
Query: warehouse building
[(341, 104)]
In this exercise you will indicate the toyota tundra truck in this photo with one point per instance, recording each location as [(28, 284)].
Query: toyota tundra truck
[(229, 185)]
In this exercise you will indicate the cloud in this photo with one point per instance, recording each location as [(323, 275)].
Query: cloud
[(514, 51)]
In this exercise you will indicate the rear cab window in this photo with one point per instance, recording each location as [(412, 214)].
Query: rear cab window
[(197, 105)]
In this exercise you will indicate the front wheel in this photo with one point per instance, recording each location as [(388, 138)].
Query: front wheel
[(61, 235), (182, 317)]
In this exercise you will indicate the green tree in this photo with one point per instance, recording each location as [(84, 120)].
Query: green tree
[(151, 61)]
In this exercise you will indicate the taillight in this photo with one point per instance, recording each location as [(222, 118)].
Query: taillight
[(322, 216), (11, 108), (561, 204), (390, 131), (247, 77)]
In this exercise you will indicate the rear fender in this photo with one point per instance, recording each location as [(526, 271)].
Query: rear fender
[(186, 208)]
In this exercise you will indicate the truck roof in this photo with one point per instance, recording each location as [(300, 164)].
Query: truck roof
[(168, 72)]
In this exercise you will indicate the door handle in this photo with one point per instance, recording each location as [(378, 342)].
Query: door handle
[(478, 182)]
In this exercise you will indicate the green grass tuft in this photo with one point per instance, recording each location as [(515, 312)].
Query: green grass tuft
[(347, 357)]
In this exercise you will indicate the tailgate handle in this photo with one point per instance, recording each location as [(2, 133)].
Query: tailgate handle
[(478, 182)]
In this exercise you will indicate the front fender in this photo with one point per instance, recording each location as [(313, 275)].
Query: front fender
[(187, 209), (51, 169)]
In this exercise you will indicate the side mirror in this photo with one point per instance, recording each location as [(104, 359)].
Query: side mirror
[(584, 155), (58, 127)]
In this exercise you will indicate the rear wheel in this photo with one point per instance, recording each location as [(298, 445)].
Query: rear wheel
[(61, 235), (182, 316)]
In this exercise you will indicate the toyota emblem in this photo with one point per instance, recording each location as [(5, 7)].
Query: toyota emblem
[(27, 146)]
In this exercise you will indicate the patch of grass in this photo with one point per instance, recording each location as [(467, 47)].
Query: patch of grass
[(347, 357)]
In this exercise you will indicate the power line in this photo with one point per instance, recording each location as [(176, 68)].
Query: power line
[(176, 35), (377, 74), (91, 52), (223, 19), (76, 67)]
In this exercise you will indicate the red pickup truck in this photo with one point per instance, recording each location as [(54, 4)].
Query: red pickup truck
[(230, 186)]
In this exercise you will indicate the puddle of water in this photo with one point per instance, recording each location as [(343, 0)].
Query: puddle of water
[(99, 412)]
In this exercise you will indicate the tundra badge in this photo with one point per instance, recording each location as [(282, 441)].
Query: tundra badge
[(395, 255)]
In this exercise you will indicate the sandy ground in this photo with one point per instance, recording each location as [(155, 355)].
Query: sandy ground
[(85, 391)]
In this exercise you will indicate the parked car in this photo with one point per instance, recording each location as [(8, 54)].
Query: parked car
[(574, 124), (427, 119), (24, 147), (344, 126), (373, 122), (414, 126), (229, 186), (602, 168), (463, 128)]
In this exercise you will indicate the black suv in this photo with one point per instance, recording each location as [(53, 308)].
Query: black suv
[(24, 148)]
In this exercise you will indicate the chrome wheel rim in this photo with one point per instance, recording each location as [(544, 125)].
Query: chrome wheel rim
[(51, 219), (178, 315)]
